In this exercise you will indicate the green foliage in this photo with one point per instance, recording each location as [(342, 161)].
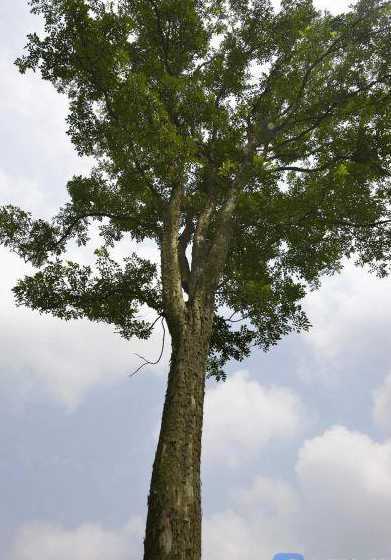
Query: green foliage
[(164, 93), (107, 293)]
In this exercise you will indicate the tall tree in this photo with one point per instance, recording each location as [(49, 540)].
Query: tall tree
[(252, 145)]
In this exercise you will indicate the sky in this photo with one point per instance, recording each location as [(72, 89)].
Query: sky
[(297, 442)]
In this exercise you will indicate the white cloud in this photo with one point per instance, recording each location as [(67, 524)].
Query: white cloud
[(22, 192), (338, 507), (260, 524), (241, 416), (228, 535), (333, 6), (38, 157), (345, 481), (350, 314), (269, 496), (87, 542), (382, 405), (341, 461)]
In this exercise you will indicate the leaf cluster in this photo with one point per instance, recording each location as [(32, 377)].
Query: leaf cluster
[(283, 116)]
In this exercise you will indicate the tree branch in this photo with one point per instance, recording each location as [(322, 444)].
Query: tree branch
[(316, 63), (170, 263), (163, 40)]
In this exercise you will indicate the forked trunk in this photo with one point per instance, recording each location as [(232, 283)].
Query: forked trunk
[(173, 529)]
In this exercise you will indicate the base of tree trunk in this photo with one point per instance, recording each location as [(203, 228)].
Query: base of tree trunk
[(173, 529)]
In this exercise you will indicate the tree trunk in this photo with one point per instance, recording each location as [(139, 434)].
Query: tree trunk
[(173, 529)]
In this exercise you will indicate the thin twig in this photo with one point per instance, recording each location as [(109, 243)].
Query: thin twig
[(146, 361), (239, 320)]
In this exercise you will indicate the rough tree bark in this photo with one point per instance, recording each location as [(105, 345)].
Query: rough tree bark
[(174, 518), (174, 506)]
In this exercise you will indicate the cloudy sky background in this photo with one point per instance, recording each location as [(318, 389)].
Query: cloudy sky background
[(297, 448)]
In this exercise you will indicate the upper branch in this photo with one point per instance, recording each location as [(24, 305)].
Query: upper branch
[(174, 304)]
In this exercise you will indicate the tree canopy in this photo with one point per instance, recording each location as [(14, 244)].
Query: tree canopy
[(258, 134)]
